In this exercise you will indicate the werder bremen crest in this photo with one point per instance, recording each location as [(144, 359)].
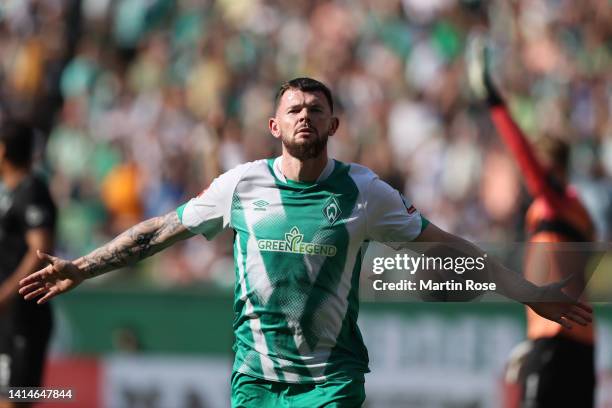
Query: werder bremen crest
[(331, 210)]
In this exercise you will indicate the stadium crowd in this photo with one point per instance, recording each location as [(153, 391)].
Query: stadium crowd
[(141, 103)]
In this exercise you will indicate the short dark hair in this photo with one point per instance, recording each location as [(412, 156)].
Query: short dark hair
[(305, 85), (18, 140)]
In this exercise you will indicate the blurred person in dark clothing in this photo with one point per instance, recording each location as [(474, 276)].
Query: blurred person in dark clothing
[(553, 357), (27, 222)]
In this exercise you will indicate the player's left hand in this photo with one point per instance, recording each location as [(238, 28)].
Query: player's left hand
[(555, 305)]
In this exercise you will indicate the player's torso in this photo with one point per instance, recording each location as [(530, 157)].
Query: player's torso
[(28, 205), (297, 260), (557, 239), (568, 221), (12, 228)]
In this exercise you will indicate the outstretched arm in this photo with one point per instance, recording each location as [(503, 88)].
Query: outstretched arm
[(139, 242), (548, 301), (533, 172), (535, 176)]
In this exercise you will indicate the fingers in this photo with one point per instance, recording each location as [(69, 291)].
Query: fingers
[(47, 290), (576, 318), (35, 293), (565, 313), (29, 288), (576, 304), (585, 314), (39, 276), (584, 307), (38, 283), (50, 294), (579, 313), (36, 289)]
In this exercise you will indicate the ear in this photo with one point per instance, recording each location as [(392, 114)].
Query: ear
[(274, 128), (335, 122)]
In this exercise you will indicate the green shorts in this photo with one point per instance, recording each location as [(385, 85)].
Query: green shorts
[(251, 392)]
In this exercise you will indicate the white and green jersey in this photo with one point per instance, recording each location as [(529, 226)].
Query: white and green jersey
[(297, 253)]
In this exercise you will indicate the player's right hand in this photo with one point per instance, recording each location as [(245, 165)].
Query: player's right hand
[(56, 278)]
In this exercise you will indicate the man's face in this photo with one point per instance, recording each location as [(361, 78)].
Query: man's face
[(303, 122)]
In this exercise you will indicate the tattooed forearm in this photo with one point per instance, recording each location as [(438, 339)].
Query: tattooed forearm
[(139, 242)]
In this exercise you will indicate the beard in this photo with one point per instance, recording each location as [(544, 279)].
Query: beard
[(305, 149)]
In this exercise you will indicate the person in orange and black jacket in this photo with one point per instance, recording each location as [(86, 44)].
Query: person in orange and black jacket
[(553, 358)]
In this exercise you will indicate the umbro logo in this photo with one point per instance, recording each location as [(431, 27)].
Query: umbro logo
[(261, 205), (331, 210)]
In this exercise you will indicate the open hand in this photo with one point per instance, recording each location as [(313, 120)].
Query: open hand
[(58, 277), (555, 305)]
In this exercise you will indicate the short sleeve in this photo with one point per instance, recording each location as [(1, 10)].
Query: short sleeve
[(38, 208), (391, 218), (210, 212)]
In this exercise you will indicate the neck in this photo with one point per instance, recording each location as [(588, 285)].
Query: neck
[(303, 170), (12, 176)]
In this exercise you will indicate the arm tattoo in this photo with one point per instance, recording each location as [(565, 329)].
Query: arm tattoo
[(139, 242)]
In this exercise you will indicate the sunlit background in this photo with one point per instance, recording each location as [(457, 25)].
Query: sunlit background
[(141, 103)]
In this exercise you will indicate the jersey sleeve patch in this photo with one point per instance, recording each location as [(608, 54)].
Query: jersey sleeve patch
[(34, 216), (38, 209), (392, 218)]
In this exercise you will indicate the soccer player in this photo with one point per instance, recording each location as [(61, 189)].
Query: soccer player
[(554, 357), (299, 221), (27, 221)]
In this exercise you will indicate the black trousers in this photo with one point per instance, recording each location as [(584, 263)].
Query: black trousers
[(558, 372)]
